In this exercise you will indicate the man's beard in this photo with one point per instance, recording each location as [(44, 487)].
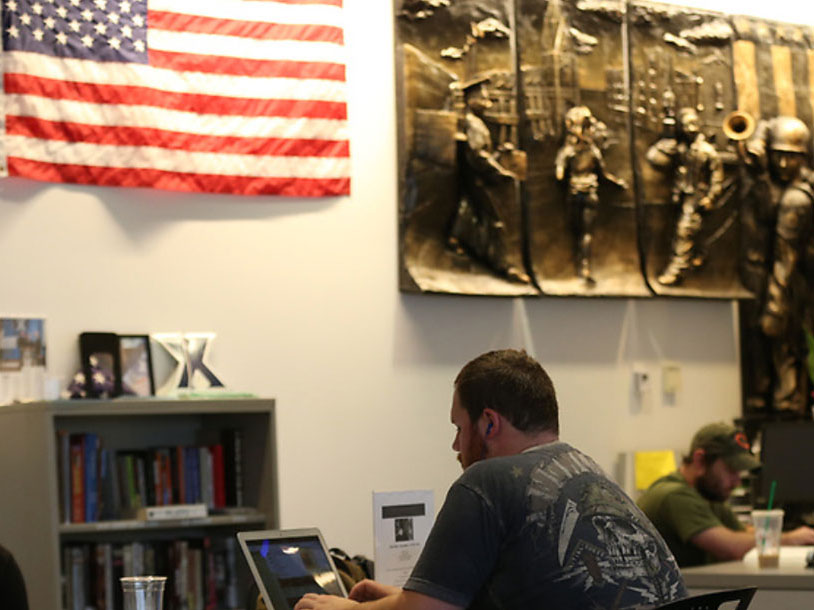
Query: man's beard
[(707, 487), (475, 451)]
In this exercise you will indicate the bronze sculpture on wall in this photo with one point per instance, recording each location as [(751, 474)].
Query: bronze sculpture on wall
[(582, 235), (580, 167), (537, 155), (778, 263), (682, 89), (697, 182), (478, 227), (775, 84), (460, 213)]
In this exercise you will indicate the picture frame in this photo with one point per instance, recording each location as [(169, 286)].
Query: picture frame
[(136, 365), (101, 364)]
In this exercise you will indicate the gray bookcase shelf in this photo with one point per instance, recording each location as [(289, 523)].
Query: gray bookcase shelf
[(85, 530), (30, 523)]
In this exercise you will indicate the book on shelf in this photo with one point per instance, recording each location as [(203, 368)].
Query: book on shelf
[(91, 463), (232, 439), (100, 483), (77, 453), (64, 475), (218, 481)]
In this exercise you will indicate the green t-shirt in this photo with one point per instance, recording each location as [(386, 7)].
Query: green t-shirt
[(679, 512)]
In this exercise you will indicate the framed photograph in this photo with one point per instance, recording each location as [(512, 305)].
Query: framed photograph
[(101, 364), (22, 359), (136, 365)]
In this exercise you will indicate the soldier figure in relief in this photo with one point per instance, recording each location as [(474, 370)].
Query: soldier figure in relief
[(580, 167), (477, 226), (698, 176), (778, 262)]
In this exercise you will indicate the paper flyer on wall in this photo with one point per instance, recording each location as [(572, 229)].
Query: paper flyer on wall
[(401, 524), (22, 359)]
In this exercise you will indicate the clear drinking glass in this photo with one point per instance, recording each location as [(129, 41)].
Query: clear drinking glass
[(143, 592)]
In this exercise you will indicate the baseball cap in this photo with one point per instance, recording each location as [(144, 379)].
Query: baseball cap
[(728, 443)]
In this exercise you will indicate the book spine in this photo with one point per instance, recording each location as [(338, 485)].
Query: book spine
[(189, 476), (182, 573), (158, 494), (232, 587), (195, 474), (233, 465), (109, 583), (78, 577), (118, 571), (115, 487), (124, 488), (91, 477), (147, 459), (77, 478), (181, 496), (196, 578), (141, 479), (239, 469), (99, 576), (205, 461), (105, 500), (130, 478), (127, 559), (217, 476), (67, 580), (138, 559), (64, 469), (166, 477)]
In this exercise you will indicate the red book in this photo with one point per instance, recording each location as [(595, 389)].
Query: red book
[(218, 476), (77, 452)]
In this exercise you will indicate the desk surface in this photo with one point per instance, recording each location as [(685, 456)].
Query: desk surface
[(790, 574)]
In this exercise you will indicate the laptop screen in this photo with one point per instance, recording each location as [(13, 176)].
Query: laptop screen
[(289, 565)]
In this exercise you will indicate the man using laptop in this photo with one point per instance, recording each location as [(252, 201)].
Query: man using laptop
[(689, 507), (532, 522)]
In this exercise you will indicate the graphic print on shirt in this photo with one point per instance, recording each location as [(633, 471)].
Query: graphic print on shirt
[(603, 542)]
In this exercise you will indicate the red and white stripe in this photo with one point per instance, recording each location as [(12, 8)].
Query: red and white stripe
[(240, 96)]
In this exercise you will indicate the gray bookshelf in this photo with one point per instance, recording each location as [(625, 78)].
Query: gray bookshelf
[(30, 524)]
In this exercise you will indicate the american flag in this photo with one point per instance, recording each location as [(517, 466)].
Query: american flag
[(217, 96)]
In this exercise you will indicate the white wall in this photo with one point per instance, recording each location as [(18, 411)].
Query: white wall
[(303, 296)]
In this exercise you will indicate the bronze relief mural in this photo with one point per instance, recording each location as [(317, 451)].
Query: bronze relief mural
[(582, 229), (614, 148), (682, 93), (460, 164), (774, 73)]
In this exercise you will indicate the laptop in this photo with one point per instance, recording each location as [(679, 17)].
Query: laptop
[(287, 564)]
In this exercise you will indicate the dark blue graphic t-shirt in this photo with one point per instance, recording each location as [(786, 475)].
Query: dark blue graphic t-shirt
[(544, 529)]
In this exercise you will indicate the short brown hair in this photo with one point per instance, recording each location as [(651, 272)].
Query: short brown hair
[(512, 383)]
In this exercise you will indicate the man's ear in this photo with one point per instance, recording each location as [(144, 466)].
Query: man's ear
[(699, 458), (490, 422)]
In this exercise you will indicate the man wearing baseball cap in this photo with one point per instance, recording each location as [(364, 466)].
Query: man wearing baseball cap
[(689, 506)]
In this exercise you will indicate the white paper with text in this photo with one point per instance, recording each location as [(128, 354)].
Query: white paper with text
[(401, 523)]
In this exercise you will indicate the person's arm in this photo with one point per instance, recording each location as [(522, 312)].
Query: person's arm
[(369, 590), (401, 600), (723, 543), (799, 537)]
